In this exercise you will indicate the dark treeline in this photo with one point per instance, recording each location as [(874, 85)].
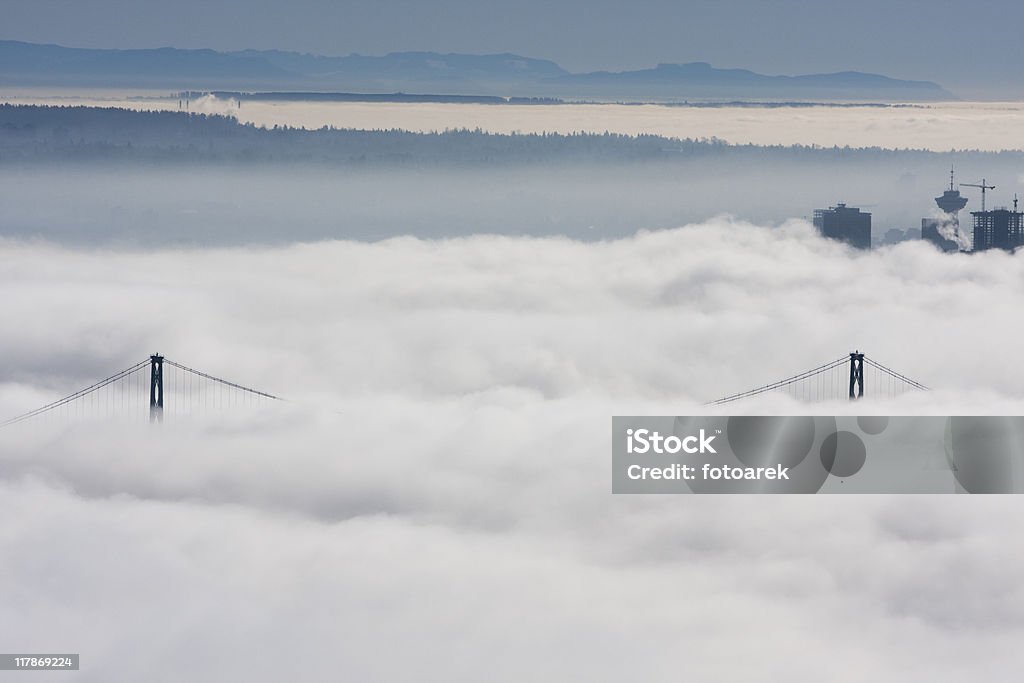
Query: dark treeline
[(40, 133)]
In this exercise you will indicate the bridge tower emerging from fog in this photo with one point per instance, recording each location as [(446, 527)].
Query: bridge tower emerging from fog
[(836, 380), (856, 375), (156, 388), (173, 390)]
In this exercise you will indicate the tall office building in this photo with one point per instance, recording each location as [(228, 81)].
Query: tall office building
[(998, 229), (846, 224)]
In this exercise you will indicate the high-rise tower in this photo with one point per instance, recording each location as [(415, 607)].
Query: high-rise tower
[(951, 201), (846, 224), (944, 233)]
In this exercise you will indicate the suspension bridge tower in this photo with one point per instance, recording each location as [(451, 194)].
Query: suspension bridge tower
[(856, 375), (156, 388)]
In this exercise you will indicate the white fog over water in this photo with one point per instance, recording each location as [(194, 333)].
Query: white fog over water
[(439, 483), (433, 501), (945, 126)]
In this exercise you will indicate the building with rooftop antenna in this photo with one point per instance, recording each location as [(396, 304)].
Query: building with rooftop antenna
[(951, 200), (933, 229), (999, 228)]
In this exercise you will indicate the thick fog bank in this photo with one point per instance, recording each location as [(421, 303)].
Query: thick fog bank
[(435, 496), (434, 500)]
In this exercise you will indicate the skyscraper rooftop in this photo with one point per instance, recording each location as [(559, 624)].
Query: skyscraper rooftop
[(951, 200)]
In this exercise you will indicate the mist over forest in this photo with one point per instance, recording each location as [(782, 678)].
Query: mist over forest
[(152, 178)]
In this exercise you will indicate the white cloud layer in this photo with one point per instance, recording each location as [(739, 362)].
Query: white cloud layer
[(942, 126), (435, 501)]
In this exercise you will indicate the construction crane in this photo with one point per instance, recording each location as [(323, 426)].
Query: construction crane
[(983, 187)]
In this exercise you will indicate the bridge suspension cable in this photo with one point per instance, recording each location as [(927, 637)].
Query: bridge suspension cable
[(117, 376), (782, 382), (222, 381), (826, 382), (183, 390), (892, 373)]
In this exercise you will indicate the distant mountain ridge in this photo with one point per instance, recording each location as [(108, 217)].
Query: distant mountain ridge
[(32, 64), (703, 72), (705, 78)]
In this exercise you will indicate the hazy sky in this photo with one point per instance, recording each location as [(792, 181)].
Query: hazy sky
[(935, 40)]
